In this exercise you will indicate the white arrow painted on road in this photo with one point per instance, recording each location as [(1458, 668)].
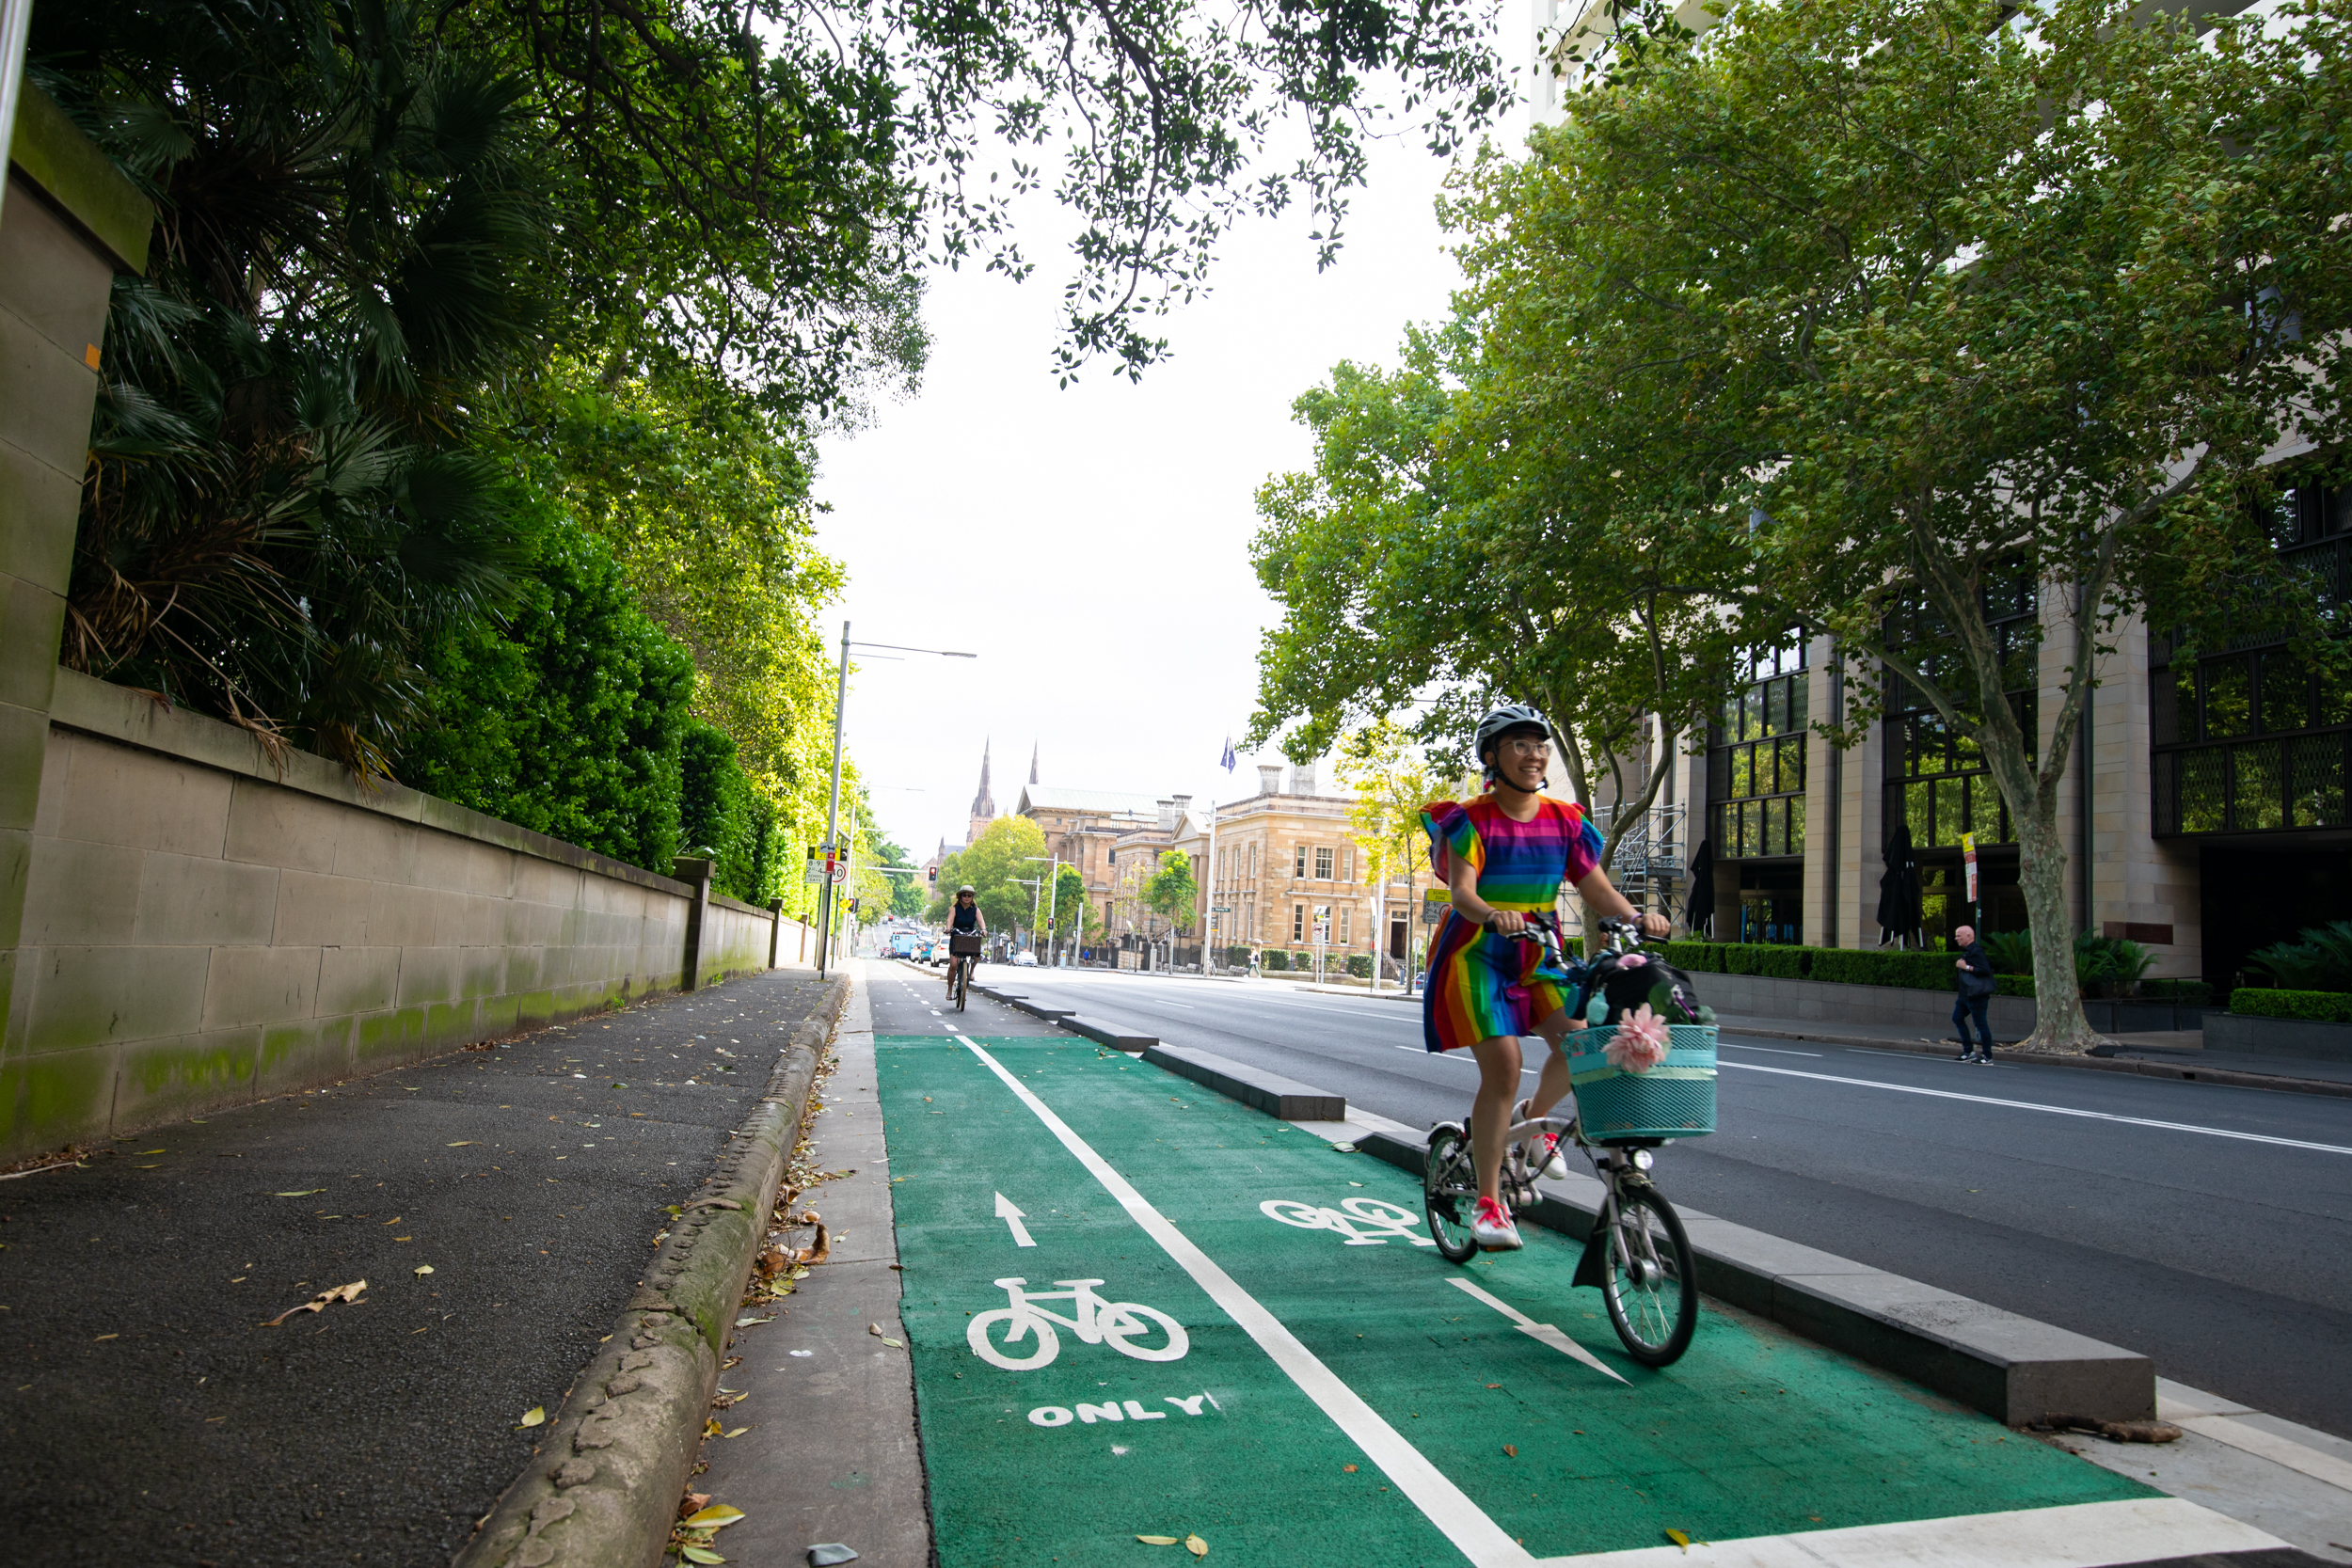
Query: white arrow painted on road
[(1012, 1217)]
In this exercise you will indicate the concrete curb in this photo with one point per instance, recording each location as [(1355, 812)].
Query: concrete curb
[(1270, 1092), (2014, 1368), (2228, 1077), (602, 1490)]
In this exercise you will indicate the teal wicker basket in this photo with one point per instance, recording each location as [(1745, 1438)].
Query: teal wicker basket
[(1674, 1100)]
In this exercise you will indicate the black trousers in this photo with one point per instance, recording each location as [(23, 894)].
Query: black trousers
[(1967, 1007)]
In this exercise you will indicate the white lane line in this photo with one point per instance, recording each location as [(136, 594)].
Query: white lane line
[(2074, 1535), (1734, 1045), (1545, 1332), (2052, 1110), (1446, 1505)]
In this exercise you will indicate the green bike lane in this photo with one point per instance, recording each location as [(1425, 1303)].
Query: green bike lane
[(1294, 1376)]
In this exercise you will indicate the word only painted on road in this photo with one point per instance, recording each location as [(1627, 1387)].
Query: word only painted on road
[(1128, 1327), (1117, 1410), (1364, 1221)]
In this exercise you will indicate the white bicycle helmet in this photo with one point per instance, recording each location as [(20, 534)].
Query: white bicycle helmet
[(1503, 720)]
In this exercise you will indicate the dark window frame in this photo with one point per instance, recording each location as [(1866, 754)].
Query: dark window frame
[(1759, 737)]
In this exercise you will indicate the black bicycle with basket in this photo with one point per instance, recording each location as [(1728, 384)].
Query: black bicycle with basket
[(963, 953), (1644, 1073)]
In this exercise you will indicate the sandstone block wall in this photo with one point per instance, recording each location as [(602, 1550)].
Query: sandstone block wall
[(205, 923)]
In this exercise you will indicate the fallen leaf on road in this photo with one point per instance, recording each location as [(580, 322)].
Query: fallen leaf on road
[(714, 1517), (1342, 1149), (423, 1268), (891, 1343), (1680, 1540), (536, 1415), (875, 1329), (750, 1323), (462, 1143), (154, 1151), (1348, 1469), (1512, 1449), (1197, 1546), (306, 1192), (318, 1303), (818, 1250), (1157, 1539), (103, 1337), (711, 1428), (692, 1501), (737, 1432), (699, 1554)]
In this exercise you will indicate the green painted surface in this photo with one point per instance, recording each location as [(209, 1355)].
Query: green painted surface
[(1754, 1432)]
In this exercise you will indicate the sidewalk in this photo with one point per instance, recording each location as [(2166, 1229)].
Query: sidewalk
[(500, 1203)]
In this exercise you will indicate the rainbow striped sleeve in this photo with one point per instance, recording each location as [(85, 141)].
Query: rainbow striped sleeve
[(1584, 845), (1452, 836)]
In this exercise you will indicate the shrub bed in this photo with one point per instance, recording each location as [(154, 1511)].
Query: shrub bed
[(2313, 1006), (1911, 970)]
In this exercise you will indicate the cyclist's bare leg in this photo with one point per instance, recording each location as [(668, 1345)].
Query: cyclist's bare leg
[(1553, 1085), (1491, 1112)]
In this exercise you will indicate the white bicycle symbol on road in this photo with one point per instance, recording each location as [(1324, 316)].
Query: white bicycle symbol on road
[(1126, 1326), (1380, 1221)]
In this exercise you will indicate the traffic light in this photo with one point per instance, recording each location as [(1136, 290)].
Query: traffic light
[(932, 875), (853, 906)]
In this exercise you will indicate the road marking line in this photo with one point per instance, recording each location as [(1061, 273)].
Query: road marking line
[(2074, 1535), (1545, 1332), (1445, 1505), (1735, 1045), (2270, 1446), (2052, 1110)]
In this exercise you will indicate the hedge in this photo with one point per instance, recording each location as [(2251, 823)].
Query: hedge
[(1909, 968), (2315, 1007)]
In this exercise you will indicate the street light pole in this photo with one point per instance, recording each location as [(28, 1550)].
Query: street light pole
[(832, 806)]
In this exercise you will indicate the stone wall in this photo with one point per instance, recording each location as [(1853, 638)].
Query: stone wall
[(205, 923)]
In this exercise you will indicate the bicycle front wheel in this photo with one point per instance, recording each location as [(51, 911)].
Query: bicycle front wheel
[(964, 982), (1448, 1190), (1652, 1286)]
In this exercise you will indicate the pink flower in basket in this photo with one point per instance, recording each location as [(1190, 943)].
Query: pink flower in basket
[(1634, 961), (1640, 1042)]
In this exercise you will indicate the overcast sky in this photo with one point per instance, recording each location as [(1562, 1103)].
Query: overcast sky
[(1091, 543)]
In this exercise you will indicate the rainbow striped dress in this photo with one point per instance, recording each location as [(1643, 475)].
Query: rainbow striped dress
[(1481, 985)]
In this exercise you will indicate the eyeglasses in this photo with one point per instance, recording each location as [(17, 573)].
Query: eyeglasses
[(1522, 746)]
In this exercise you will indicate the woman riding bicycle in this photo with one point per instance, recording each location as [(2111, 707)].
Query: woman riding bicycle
[(965, 920), (1505, 855)]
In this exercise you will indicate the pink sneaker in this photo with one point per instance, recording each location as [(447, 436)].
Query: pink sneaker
[(1491, 1227), (1543, 1148)]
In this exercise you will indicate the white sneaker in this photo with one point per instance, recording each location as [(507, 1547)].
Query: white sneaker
[(1543, 1148), (1491, 1227)]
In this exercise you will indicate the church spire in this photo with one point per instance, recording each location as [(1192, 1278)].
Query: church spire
[(1033, 762), (983, 807), (983, 804)]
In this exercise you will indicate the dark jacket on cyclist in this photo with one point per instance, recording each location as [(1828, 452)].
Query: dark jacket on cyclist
[(965, 920)]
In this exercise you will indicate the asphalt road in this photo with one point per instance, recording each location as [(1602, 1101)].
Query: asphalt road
[(500, 1204), (2190, 1221)]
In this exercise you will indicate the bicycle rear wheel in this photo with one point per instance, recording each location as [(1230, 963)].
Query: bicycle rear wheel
[(1449, 1187), (963, 981), (1651, 1285)]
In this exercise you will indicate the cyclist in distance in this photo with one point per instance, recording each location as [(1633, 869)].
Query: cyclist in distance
[(1505, 854), (965, 920)]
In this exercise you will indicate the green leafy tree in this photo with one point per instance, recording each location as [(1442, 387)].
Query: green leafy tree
[(1392, 784), (1948, 314), (907, 897), (1070, 904), (1171, 892)]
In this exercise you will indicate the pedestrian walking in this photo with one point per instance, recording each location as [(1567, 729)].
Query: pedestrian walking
[(1973, 979)]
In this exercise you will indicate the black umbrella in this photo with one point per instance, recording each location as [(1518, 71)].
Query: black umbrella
[(1699, 904), (1898, 886)]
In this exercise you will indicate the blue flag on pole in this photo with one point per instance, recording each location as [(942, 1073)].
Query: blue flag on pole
[(1226, 760)]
